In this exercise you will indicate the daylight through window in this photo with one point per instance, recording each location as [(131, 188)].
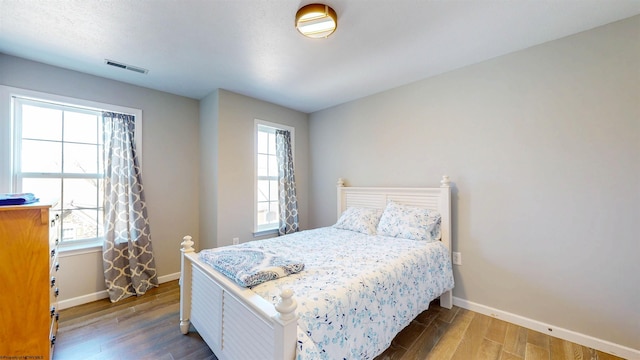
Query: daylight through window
[(267, 179), (267, 212), (59, 157)]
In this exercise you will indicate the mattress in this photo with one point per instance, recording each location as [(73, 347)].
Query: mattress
[(357, 291)]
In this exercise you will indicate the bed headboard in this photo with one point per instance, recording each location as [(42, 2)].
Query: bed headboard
[(437, 198)]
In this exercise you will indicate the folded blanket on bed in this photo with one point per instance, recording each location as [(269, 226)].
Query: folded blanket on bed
[(249, 267)]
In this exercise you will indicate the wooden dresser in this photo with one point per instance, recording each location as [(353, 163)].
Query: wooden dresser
[(29, 236)]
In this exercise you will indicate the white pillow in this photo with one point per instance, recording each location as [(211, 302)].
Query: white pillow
[(409, 222), (362, 220)]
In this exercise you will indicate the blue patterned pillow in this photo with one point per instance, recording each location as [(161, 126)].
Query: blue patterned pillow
[(409, 222), (362, 220)]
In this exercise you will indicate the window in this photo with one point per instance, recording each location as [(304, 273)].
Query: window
[(57, 154), (266, 198)]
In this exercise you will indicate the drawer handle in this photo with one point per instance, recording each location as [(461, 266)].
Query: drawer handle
[(53, 281), (56, 292), (57, 316), (57, 216), (53, 340), (57, 266), (57, 242), (53, 311), (53, 223), (53, 252)]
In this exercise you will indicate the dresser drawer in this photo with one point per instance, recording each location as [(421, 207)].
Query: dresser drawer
[(53, 295), (54, 265), (54, 238), (54, 227), (53, 332)]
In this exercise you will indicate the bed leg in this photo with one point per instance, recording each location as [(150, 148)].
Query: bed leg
[(446, 300), (185, 284), (184, 326)]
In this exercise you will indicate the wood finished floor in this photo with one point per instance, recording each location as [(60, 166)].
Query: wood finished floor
[(147, 328)]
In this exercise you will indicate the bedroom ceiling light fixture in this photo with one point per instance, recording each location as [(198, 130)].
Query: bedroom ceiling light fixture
[(316, 21)]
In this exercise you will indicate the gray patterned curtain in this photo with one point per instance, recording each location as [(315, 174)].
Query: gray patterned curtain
[(129, 267), (287, 184)]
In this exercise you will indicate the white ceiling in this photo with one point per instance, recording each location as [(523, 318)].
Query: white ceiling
[(192, 47)]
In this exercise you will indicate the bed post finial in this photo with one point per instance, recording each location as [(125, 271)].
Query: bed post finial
[(287, 305), (187, 244), (340, 182), (445, 182)]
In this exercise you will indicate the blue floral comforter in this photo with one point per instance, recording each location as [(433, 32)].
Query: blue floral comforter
[(357, 291)]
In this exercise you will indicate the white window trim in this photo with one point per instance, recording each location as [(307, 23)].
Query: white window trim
[(7, 128), (262, 231)]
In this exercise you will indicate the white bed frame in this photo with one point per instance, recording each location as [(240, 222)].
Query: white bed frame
[(237, 323)]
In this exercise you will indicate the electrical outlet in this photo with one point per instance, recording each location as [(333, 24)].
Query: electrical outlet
[(236, 241), (457, 258)]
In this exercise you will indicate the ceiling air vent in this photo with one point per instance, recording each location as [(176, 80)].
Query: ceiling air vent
[(125, 66)]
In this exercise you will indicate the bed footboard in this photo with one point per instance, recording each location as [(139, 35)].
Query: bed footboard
[(235, 322)]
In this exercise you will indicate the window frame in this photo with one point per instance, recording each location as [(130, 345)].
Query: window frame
[(9, 155), (262, 230)]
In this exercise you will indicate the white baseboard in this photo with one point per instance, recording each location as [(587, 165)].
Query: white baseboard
[(552, 330), (166, 278), (84, 299)]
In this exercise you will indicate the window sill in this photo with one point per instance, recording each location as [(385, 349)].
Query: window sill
[(82, 248), (265, 233)]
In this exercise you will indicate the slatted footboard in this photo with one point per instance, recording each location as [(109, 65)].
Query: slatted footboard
[(234, 321)]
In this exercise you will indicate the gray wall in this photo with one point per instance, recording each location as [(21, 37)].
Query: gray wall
[(170, 166), (208, 172), (543, 146), (227, 145)]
